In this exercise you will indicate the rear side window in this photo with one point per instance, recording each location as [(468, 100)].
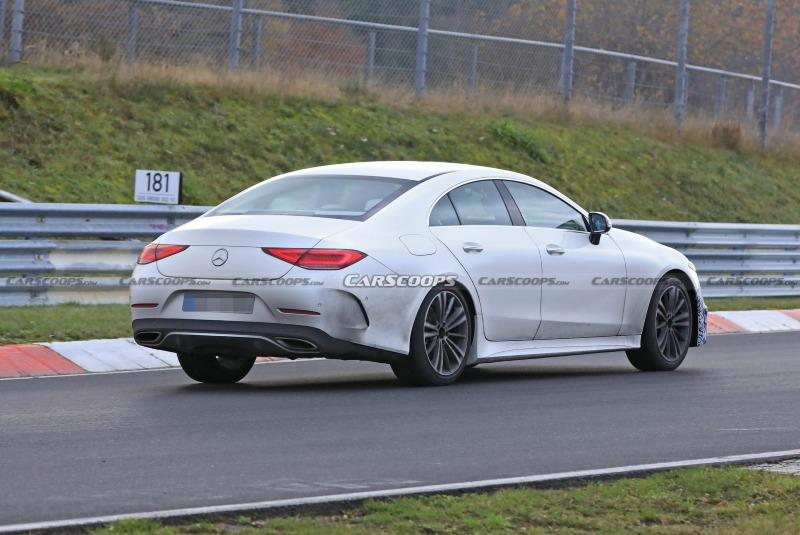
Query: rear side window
[(543, 210), (443, 214), (480, 203), (345, 197)]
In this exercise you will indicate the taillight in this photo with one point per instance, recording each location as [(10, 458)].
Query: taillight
[(316, 258), (159, 251)]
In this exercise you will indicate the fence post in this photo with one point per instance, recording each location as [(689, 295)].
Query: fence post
[(3, 8), (568, 58), (630, 83), (769, 31), (778, 108), (258, 36), (472, 78), (721, 86), (751, 102), (17, 18), (133, 31), (235, 40), (422, 47), (369, 70), (681, 83)]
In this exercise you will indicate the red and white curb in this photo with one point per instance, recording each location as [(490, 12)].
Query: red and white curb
[(85, 356), (122, 354)]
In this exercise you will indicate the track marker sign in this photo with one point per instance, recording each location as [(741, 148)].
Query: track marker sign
[(161, 187)]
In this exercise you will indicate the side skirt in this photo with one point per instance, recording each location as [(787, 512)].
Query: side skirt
[(486, 351)]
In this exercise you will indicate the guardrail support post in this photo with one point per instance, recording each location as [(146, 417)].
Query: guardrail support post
[(778, 108), (258, 37), (681, 82), (422, 47), (369, 69), (568, 59), (17, 19), (630, 83), (235, 39), (133, 31), (721, 87), (472, 78), (751, 102), (3, 8), (769, 31)]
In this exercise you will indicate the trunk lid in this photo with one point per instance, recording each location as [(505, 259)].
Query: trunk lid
[(229, 247)]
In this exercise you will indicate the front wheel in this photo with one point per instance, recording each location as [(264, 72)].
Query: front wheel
[(667, 329), (440, 340), (215, 369)]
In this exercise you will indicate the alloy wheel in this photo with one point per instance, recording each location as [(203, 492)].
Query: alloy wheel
[(673, 325), (446, 332)]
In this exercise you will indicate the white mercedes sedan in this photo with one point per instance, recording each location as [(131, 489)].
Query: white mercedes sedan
[(428, 267)]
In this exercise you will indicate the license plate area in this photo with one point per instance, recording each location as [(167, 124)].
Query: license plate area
[(220, 302)]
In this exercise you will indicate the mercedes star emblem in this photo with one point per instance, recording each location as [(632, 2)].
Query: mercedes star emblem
[(219, 257)]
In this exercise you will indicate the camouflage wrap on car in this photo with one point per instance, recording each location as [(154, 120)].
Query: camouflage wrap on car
[(702, 320)]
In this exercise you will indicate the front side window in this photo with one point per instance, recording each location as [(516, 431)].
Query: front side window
[(480, 203), (544, 210), (339, 197)]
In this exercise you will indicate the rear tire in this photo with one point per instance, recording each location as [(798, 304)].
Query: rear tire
[(215, 370), (667, 329), (440, 340)]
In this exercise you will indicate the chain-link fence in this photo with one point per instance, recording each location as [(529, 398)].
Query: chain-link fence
[(621, 51)]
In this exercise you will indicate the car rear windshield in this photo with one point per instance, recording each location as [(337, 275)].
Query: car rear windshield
[(339, 197)]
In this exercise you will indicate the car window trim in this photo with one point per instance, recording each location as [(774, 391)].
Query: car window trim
[(511, 205)]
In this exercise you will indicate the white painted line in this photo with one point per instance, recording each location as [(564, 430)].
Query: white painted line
[(405, 491), (762, 321)]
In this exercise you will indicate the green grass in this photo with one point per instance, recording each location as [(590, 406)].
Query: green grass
[(19, 325), (700, 500), (752, 303), (71, 137)]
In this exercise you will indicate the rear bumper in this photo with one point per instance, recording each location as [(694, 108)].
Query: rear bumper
[(251, 338)]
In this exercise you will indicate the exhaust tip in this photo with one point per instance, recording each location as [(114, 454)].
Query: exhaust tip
[(296, 344), (146, 337)]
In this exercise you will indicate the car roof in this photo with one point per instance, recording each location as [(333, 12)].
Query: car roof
[(416, 171)]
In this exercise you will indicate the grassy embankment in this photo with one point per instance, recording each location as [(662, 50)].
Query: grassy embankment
[(700, 500), (78, 135)]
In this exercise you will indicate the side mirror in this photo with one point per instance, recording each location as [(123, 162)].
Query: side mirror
[(599, 224)]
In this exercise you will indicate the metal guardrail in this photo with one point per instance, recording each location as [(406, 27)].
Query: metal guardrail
[(47, 256), (39, 266)]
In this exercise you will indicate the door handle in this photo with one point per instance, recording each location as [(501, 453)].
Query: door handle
[(472, 247), (555, 250)]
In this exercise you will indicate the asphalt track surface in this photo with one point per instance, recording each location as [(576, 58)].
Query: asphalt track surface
[(95, 445)]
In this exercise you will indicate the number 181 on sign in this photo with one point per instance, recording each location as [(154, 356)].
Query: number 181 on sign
[(162, 187)]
